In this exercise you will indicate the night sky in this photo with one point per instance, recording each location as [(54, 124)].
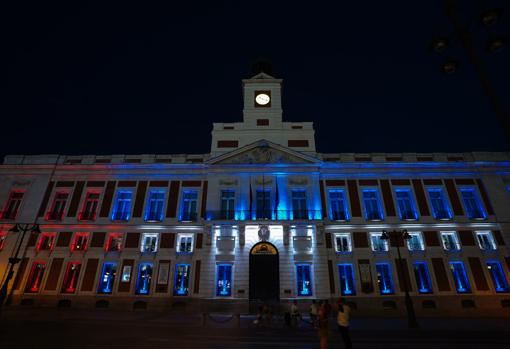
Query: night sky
[(144, 79)]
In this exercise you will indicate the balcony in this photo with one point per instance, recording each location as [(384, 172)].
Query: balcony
[(189, 217), (87, 216), (54, 215), (302, 244), (261, 215), (225, 244)]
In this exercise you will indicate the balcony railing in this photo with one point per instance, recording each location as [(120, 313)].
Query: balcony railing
[(254, 215), (189, 216), (54, 215)]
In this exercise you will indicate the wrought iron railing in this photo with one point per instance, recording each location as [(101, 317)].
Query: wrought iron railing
[(256, 215)]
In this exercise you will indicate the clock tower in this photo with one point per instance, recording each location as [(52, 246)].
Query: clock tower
[(262, 119)]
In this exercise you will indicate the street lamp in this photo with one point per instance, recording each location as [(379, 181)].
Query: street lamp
[(23, 228), (399, 237)]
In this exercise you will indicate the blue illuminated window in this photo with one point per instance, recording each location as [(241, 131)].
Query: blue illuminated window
[(460, 277), (143, 282), (485, 240), (263, 197), (338, 205), (472, 204), (498, 276), (346, 274), (155, 205), (405, 204), (122, 208), (107, 277), (224, 280), (440, 206), (378, 244), (415, 243), (189, 205), (421, 273), (227, 204), (181, 281), (372, 205), (304, 279), (299, 209), (384, 279), (450, 241)]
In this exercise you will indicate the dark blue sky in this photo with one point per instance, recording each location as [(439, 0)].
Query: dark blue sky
[(142, 78)]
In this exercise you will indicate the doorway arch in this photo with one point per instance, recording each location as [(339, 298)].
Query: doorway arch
[(264, 272)]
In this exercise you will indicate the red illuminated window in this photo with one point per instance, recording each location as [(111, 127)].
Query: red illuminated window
[(46, 242), (57, 209), (35, 277), (89, 208), (3, 237), (71, 277), (12, 205), (114, 242), (80, 242)]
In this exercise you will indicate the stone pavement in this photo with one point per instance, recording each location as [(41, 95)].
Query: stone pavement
[(104, 328)]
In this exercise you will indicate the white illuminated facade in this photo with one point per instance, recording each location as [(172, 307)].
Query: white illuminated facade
[(262, 217)]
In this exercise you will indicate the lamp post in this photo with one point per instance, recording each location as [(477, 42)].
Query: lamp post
[(399, 237), (17, 228)]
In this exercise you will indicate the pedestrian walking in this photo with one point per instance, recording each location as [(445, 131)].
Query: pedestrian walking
[(314, 311), (294, 314), (342, 319), (327, 308), (258, 319), (323, 326)]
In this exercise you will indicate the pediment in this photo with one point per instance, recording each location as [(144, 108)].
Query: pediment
[(264, 152)]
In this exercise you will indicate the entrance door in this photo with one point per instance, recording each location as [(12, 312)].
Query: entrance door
[(264, 272)]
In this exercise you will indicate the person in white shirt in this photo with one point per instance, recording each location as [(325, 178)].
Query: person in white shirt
[(342, 319)]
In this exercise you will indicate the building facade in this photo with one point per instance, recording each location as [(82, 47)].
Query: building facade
[(263, 216)]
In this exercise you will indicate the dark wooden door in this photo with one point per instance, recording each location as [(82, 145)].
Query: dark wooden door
[(264, 277)]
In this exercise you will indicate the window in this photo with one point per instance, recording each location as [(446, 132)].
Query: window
[(3, 238), (114, 242), (143, 282), (346, 274), (80, 242), (299, 210), (89, 209), (485, 240), (304, 280), (35, 277), (405, 204), (227, 204), (184, 243), (46, 242), (422, 277), (126, 273), (378, 244), (338, 205), (107, 278), (12, 205), (224, 280), (181, 282), (122, 208), (498, 276), (450, 241), (57, 209), (155, 205), (149, 242), (415, 243), (440, 207), (343, 243), (460, 277), (263, 204), (71, 277), (474, 208), (371, 203), (189, 205), (384, 278)]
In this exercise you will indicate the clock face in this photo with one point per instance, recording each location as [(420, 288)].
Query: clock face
[(262, 99)]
